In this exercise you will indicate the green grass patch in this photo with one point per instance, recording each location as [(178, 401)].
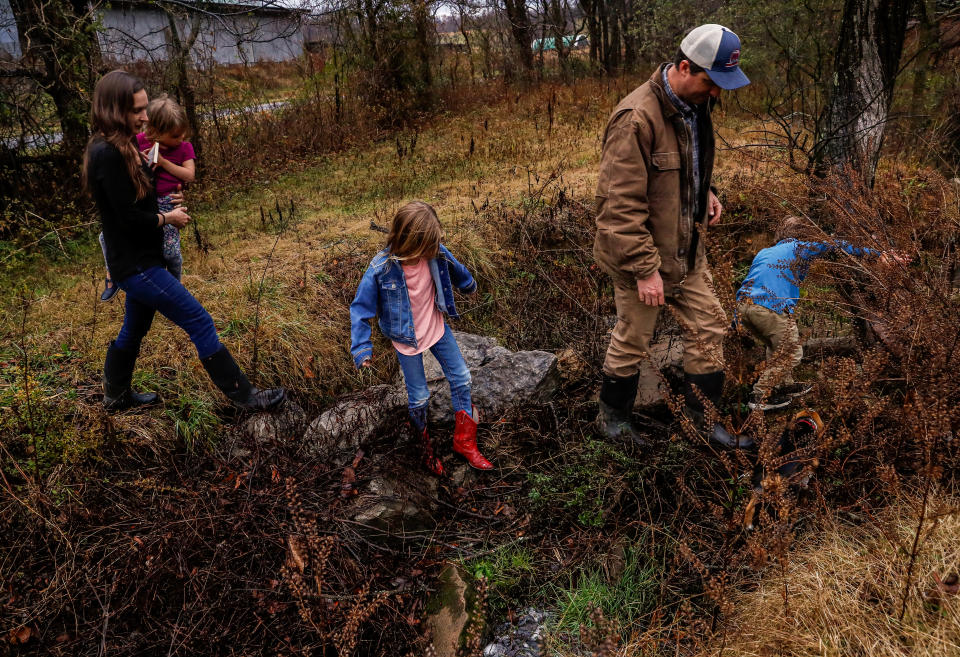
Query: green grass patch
[(510, 571), (626, 598), (194, 421), (590, 480)]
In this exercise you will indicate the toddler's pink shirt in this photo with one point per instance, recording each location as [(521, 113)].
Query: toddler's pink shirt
[(427, 319)]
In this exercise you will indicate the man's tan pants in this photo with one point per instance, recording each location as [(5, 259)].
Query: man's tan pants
[(773, 329), (701, 319)]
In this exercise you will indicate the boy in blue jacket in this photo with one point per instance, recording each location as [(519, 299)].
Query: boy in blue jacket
[(766, 301)]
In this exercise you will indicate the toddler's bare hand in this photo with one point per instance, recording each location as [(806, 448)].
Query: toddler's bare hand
[(177, 196)]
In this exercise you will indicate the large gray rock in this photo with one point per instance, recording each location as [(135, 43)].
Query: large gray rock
[(392, 506), (665, 355), (521, 639), (502, 379), (287, 423), (477, 350), (339, 431), (451, 612)]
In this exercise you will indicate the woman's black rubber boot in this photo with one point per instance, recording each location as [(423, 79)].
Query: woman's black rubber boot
[(227, 376), (117, 375)]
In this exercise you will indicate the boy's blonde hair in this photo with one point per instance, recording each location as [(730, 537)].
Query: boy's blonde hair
[(415, 232), (166, 117), (790, 228)]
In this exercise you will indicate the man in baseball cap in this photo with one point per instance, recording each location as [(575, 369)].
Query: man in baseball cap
[(716, 50), (654, 205)]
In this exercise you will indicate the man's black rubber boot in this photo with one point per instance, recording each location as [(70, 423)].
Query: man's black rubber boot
[(711, 387), (117, 375), (227, 376), (615, 405)]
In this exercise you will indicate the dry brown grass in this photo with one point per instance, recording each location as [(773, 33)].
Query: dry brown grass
[(311, 271), (842, 591)]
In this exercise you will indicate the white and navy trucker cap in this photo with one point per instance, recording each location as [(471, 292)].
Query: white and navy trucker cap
[(717, 50)]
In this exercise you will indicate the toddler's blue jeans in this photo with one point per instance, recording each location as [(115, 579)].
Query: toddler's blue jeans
[(157, 290), (454, 368)]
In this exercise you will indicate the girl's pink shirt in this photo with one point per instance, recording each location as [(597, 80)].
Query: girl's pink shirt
[(427, 319)]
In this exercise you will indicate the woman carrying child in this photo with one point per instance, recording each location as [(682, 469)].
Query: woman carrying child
[(409, 285), (167, 128), (120, 181)]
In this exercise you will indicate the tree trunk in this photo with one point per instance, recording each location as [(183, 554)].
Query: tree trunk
[(61, 36), (422, 25), (522, 32), (554, 11), (613, 53), (180, 63), (865, 69), (604, 35), (628, 33), (928, 46), (466, 39), (589, 8)]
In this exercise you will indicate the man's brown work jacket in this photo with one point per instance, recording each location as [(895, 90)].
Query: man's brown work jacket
[(645, 204)]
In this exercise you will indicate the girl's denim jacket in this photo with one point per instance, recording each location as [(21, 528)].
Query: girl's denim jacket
[(383, 293)]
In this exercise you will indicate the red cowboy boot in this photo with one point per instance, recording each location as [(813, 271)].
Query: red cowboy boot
[(418, 419), (465, 441)]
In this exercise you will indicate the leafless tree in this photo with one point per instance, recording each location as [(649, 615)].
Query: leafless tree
[(866, 64)]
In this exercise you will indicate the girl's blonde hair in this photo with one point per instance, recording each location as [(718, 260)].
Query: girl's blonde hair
[(415, 232), (166, 117)]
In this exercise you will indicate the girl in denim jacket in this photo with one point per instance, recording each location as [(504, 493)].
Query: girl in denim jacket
[(409, 285)]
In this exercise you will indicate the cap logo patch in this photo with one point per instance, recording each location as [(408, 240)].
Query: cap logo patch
[(734, 58)]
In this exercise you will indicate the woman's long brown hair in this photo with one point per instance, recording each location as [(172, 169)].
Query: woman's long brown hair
[(112, 101)]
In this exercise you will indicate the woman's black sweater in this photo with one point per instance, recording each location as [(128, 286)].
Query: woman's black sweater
[(133, 239)]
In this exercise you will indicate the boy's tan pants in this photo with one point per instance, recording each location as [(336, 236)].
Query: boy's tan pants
[(701, 318), (773, 329)]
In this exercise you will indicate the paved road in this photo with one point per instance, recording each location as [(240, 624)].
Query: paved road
[(33, 142)]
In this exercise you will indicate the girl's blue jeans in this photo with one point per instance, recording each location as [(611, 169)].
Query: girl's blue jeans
[(157, 290), (454, 368)]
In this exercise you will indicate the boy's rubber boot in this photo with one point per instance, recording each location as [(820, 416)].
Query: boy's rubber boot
[(711, 387), (465, 441), (117, 375), (227, 376), (615, 404), (418, 420)]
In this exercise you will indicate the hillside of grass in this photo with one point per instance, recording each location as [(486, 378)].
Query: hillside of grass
[(173, 527)]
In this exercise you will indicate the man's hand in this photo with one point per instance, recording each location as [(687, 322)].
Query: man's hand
[(714, 208), (650, 289)]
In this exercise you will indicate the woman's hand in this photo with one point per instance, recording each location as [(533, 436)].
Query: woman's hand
[(177, 217)]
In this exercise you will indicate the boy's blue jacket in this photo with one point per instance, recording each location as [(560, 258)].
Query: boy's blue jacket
[(776, 273), (383, 293)]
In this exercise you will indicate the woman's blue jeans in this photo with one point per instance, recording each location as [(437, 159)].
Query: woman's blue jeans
[(454, 368), (156, 290)]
